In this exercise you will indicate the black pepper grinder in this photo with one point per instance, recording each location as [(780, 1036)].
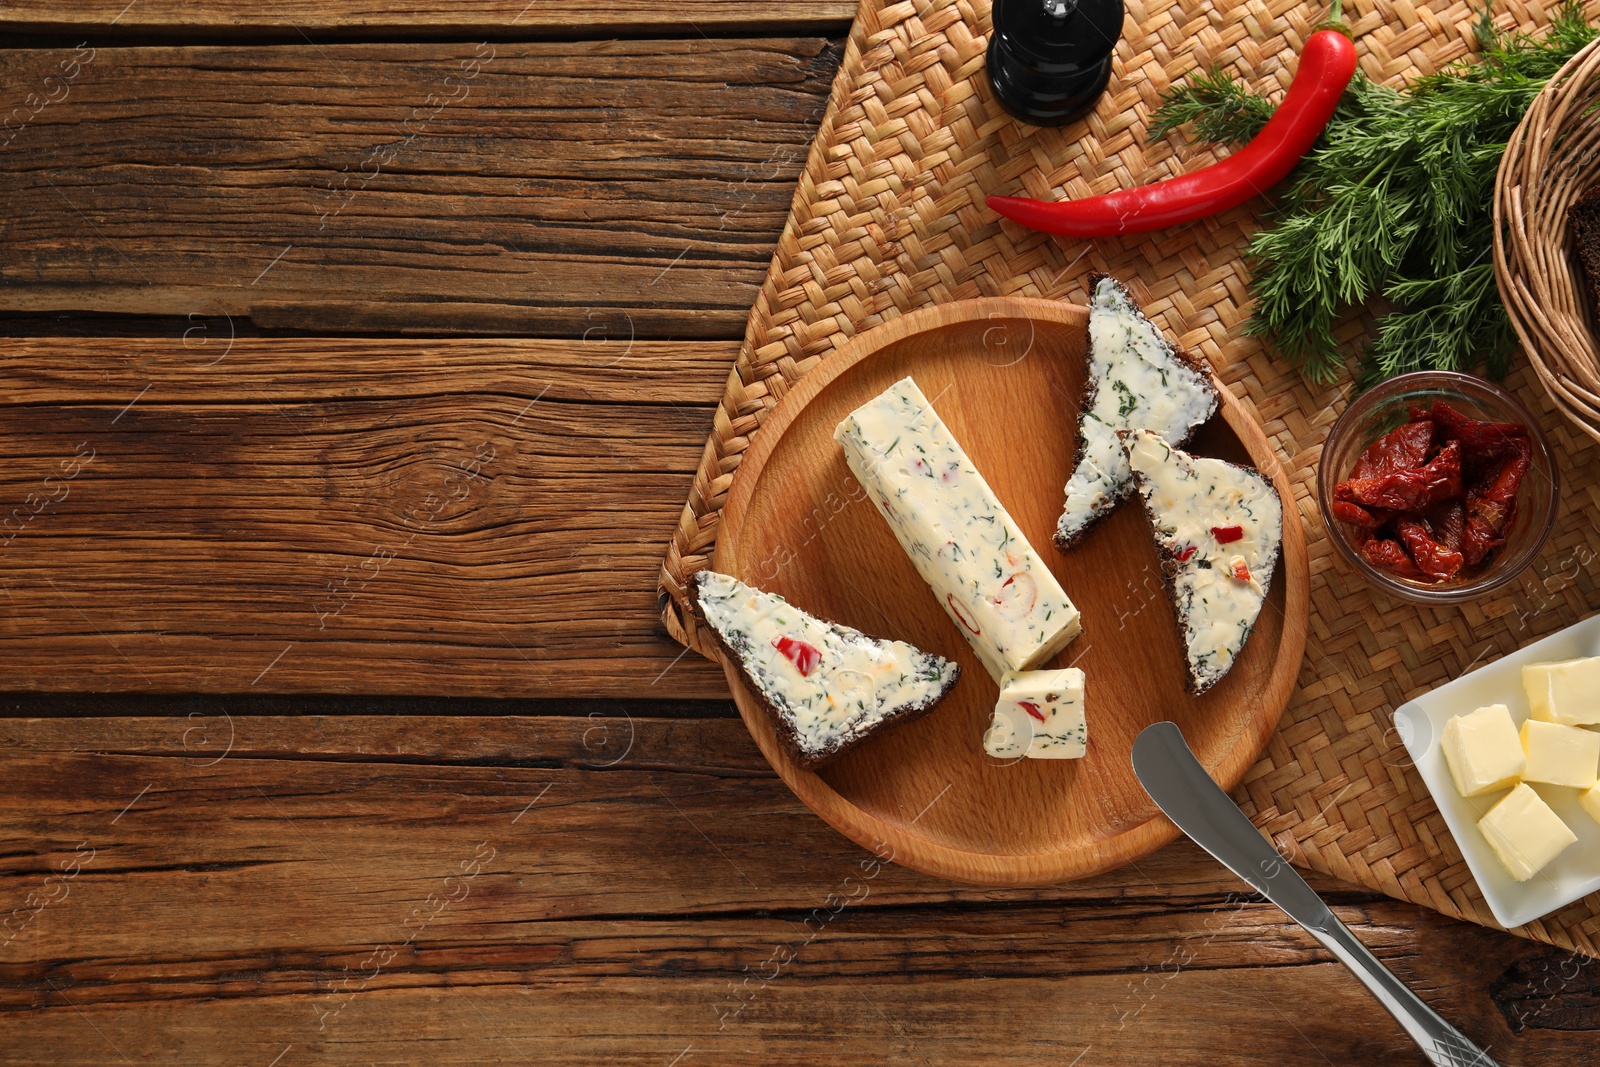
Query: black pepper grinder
[(1049, 60)]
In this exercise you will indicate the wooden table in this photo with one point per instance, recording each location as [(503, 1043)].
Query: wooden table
[(357, 359)]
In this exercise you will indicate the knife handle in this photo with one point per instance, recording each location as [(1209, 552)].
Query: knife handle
[(1443, 1044)]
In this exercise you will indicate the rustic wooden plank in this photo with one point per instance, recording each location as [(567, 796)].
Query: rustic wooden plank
[(623, 188), (906, 986), (654, 1024), (242, 901), (464, 518), (349, 18), (286, 807), (45, 704)]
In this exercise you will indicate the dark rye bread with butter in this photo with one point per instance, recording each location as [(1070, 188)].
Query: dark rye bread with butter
[(1583, 219), (1208, 517), (826, 688), (1137, 378)]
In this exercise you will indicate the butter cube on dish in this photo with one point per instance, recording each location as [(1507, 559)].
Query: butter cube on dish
[(1483, 750), (1560, 755), (1524, 832), (1590, 799), (1039, 715), (1567, 692)]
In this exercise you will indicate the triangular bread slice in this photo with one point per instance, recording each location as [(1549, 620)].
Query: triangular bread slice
[(1219, 529), (1137, 380), (826, 686)]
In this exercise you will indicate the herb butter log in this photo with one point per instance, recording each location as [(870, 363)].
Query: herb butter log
[(1137, 380), (826, 687), (1219, 528), (967, 548), (1039, 715)]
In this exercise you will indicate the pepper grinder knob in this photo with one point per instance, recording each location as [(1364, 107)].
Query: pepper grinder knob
[(1049, 60)]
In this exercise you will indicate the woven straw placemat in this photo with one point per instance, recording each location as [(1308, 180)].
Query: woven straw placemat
[(889, 216)]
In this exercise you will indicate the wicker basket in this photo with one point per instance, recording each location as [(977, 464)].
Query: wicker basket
[(1553, 158)]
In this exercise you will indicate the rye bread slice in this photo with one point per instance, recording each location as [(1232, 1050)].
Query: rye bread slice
[(805, 754), (1583, 220), (1184, 378), (1181, 528)]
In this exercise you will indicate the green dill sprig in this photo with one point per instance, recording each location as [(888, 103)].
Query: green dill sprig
[(1221, 110), (1394, 201)]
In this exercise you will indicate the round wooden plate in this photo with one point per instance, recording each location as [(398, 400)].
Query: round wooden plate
[(1007, 376)]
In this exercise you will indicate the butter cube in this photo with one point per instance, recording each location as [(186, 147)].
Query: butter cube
[(1567, 692), (1560, 755), (1590, 799), (1482, 750), (1039, 715), (1524, 833)]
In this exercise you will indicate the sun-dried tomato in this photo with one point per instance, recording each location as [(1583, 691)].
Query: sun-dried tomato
[(1479, 440), (1492, 506), (1448, 522), (1412, 489), (1428, 514), (1359, 517), (1432, 558), (1478, 540), (1396, 450), (1390, 556)]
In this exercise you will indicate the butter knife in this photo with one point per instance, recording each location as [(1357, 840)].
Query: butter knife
[(1180, 786)]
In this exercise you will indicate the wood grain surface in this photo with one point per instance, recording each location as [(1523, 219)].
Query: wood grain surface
[(645, 887), (454, 517), (633, 188), (320, 19), (798, 523), (609, 873)]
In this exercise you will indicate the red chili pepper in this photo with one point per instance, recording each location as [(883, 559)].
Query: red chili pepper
[(1327, 64), (960, 614), (1032, 709), (1017, 596), (1227, 535), (1186, 553), (803, 655)]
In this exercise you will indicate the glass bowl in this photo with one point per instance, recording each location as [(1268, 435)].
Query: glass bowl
[(1386, 406)]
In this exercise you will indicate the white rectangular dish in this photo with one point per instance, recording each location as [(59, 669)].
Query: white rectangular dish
[(1570, 876)]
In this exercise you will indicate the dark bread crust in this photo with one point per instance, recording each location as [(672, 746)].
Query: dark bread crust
[(1583, 219), (790, 741), (1170, 567), (1092, 390)]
